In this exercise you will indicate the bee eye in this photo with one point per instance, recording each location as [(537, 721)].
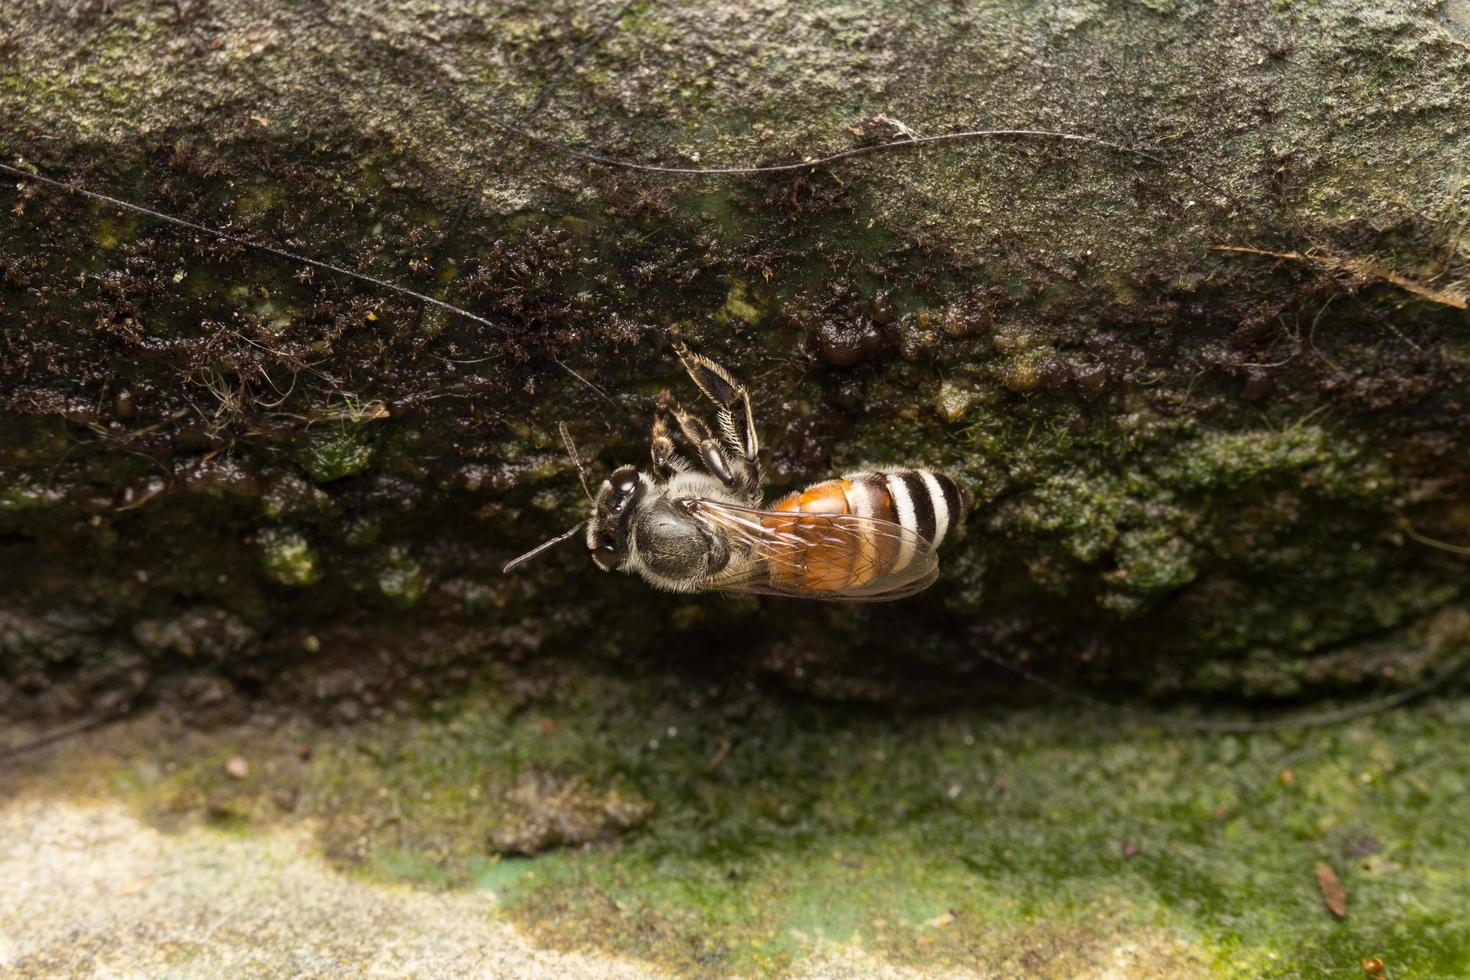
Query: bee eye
[(624, 481)]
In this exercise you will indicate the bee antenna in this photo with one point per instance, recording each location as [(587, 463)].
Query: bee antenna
[(506, 568), (566, 437)]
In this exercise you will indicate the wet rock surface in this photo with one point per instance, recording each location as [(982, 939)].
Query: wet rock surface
[(1196, 471)]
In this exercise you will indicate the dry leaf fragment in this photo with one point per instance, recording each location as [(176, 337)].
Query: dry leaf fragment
[(1334, 895)]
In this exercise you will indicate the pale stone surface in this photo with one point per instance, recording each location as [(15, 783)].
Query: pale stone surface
[(93, 891)]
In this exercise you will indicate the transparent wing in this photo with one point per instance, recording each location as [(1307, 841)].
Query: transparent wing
[(838, 557)]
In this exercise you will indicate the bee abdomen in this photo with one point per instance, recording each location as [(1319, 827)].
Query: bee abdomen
[(827, 497), (930, 503), (826, 568)]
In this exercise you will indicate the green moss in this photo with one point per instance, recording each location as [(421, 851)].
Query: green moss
[(332, 452), (24, 494), (953, 401), (1216, 508), (1151, 561), (738, 308), (401, 580), (1020, 371), (1233, 460), (1082, 511), (812, 831), (363, 530), (740, 834), (288, 558), (290, 496)]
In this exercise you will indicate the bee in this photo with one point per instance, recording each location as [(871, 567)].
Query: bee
[(864, 537)]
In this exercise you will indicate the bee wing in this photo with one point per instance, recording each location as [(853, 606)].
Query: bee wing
[(839, 557)]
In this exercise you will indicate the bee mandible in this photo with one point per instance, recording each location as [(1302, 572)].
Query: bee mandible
[(864, 537)]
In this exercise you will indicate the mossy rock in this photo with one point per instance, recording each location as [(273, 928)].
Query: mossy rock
[(1197, 471)]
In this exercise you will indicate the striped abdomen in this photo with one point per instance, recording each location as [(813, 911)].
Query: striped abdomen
[(930, 504)]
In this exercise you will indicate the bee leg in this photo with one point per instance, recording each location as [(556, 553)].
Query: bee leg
[(737, 423), (665, 461), (732, 473)]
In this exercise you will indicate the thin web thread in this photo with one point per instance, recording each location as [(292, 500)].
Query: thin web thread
[(857, 151), (9, 752), (281, 252), (239, 240)]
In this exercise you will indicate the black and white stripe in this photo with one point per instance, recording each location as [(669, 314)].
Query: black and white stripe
[(932, 504), (946, 511), (923, 502), (869, 497), (903, 510)]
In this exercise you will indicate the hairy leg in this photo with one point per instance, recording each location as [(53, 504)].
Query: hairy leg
[(736, 422), (694, 431)]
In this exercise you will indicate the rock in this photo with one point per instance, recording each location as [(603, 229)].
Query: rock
[(190, 423), (846, 344), (953, 401), (203, 633), (546, 812)]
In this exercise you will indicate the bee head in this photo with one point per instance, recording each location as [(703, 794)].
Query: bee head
[(612, 516)]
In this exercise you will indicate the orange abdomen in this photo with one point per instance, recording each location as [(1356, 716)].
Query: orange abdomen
[(928, 503), (824, 498), (832, 565)]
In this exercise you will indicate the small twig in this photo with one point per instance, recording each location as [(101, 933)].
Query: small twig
[(1408, 529), (719, 756), (64, 732), (908, 142), (1361, 267)]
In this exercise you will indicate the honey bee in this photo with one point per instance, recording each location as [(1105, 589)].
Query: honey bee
[(864, 537)]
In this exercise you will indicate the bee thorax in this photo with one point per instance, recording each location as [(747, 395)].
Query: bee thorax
[(672, 551)]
